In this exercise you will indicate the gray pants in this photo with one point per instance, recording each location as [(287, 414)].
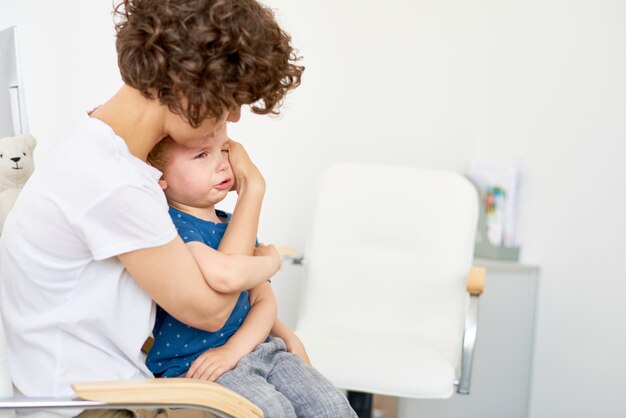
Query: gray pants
[(283, 386)]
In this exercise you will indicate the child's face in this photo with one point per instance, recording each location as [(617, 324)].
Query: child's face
[(198, 177)]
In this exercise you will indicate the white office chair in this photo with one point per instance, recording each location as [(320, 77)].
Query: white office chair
[(385, 303), (155, 393)]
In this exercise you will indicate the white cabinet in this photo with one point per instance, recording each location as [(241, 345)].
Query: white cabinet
[(503, 356), (287, 285)]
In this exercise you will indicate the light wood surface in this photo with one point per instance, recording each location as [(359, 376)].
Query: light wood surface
[(476, 280), (172, 391), (285, 251), (147, 345)]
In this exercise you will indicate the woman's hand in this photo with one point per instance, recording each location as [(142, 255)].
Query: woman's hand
[(247, 175), (213, 363)]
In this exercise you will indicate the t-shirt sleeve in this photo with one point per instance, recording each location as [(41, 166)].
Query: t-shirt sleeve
[(127, 219)]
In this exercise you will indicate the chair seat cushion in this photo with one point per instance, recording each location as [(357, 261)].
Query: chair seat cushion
[(380, 365)]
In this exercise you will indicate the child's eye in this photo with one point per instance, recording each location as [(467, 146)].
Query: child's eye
[(201, 155), (225, 150)]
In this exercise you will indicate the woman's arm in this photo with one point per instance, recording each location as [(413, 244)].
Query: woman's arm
[(172, 278), (255, 328)]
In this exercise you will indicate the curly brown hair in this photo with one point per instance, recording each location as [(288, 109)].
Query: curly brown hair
[(204, 57)]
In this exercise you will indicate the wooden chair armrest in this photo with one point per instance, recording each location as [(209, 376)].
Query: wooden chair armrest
[(285, 251), (476, 280), (175, 391)]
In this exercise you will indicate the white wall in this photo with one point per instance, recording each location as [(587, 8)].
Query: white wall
[(429, 83), (68, 61)]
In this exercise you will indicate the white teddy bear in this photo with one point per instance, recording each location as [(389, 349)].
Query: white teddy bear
[(16, 166)]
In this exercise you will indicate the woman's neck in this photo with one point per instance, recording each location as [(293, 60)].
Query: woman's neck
[(135, 119)]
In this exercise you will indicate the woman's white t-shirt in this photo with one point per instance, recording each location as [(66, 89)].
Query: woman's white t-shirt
[(71, 311)]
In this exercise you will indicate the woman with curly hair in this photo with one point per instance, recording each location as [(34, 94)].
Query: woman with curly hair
[(89, 246)]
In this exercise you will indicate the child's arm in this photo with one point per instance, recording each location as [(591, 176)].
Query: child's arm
[(233, 272), (292, 341), (214, 362), (240, 236)]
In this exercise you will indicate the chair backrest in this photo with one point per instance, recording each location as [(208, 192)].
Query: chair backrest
[(389, 252)]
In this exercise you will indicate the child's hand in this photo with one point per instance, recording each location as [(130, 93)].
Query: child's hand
[(268, 250), (262, 249), (295, 345), (213, 363), (246, 173)]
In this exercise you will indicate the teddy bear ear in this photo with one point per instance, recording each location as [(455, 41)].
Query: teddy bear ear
[(30, 141)]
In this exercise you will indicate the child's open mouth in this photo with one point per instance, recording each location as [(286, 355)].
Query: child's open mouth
[(226, 184)]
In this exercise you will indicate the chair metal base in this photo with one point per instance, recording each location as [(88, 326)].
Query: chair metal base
[(361, 402)]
